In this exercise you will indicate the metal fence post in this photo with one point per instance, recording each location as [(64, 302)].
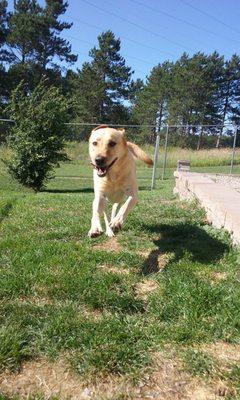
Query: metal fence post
[(165, 153), (157, 130), (234, 148)]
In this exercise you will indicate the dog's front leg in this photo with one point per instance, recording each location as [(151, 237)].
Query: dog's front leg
[(109, 231), (117, 222), (114, 210), (98, 207)]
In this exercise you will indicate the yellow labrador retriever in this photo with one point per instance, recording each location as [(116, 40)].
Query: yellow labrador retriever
[(114, 177)]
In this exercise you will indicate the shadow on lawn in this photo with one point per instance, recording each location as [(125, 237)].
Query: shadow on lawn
[(179, 239), (6, 209), (82, 190)]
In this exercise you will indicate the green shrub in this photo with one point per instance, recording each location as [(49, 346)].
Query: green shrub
[(38, 135)]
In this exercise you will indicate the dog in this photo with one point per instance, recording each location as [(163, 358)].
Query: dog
[(113, 160)]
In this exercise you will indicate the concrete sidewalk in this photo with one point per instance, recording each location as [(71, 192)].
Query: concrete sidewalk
[(221, 202)]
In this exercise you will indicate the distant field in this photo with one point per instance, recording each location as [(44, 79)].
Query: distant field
[(201, 158), (155, 311)]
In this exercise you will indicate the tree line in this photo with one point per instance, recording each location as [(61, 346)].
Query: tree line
[(194, 90)]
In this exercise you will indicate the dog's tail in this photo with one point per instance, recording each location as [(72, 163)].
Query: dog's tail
[(139, 153)]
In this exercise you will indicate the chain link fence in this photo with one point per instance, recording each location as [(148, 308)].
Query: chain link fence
[(166, 144), (211, 148)]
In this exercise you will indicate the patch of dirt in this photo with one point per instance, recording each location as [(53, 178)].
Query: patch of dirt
[(144, 289), (41, 377), (38, 301), (213, 277), (166, 381), (111, 244), (170, 382), (55, 379), (114, 269), (48, 209), (223, 352), (44, 301), (218, 276), (168, 201), (96, 315)]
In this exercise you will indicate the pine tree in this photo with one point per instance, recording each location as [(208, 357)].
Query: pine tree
[(135, 88), (193, 87), (230, 93), (110, 68), (104, 83), (24, 29), (194, 99), (153, 98), (5, 53), (50, 45), (35, 41), (86, 91)]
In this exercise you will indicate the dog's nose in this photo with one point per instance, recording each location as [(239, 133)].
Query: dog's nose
[(100, 160)]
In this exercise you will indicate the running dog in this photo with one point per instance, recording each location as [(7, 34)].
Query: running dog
[(113, 159)]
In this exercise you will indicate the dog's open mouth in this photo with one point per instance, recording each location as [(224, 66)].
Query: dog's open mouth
[(102, 171)]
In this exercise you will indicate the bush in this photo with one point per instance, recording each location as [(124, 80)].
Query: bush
[(38, 135)]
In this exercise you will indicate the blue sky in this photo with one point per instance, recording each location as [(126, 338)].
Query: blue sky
[(153, 31)]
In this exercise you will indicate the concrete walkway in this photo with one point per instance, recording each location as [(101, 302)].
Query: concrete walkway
[(221, 202)]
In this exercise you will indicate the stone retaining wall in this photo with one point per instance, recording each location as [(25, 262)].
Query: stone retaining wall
[(220, 201)]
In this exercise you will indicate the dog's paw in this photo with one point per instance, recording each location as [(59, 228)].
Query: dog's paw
[(109, 232), (94, 232), (116, 224)]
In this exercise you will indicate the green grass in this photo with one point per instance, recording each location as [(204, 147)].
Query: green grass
[(200, 364), (55, 299)]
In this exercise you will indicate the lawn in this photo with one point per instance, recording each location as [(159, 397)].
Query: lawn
[(154, 310)]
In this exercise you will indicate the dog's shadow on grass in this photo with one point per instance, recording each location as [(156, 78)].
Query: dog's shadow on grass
[(178, 240)]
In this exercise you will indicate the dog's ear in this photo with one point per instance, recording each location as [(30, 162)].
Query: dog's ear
[(100, 127), (122, 131)]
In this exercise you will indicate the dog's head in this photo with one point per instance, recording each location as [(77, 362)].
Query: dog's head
[(106, 147)]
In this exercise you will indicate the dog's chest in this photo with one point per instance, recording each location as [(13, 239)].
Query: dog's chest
[(116, 197), (114, 192), (116, 186)]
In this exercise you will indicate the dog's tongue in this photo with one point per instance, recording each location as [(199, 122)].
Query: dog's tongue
[(101, 171)]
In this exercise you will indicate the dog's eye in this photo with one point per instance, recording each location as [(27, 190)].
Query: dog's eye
[(112, 144), (94, 143)]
